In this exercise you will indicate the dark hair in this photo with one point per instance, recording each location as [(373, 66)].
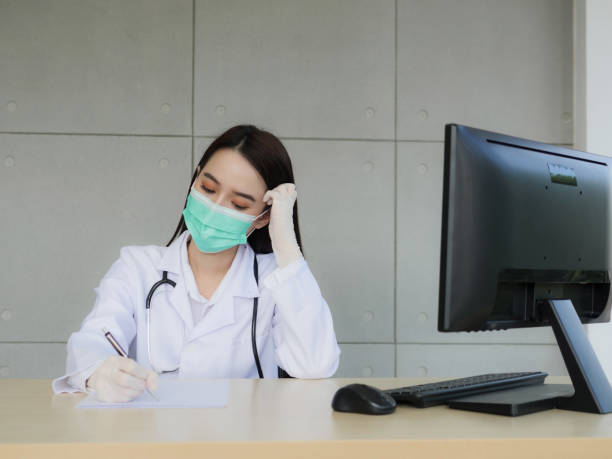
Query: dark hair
[(269, 157)]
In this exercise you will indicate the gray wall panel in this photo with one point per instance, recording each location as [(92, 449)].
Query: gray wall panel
[(420, 168), (319, 74), (200, 144), (316, 68), (366, 360), (458, 360), (96, 66), (494, 64), (32, 360), (345, 201), (68, 204)]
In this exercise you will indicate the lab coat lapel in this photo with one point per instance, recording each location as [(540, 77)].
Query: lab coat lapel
[(180, 302), (241, 284), (220, 315), (178, 298)]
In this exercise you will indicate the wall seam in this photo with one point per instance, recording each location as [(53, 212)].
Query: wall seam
[(193, 31), (188, 136), (94, 134), (395, 195)]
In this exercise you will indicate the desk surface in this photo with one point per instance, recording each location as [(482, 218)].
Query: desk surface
[(288, 417)]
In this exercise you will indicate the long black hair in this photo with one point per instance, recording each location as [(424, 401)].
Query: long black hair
[(269, 157)]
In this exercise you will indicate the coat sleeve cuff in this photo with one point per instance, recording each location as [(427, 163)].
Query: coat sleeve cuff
[(279, 275), (75, 381)]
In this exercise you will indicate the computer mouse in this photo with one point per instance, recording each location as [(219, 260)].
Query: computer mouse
[(361, 398)]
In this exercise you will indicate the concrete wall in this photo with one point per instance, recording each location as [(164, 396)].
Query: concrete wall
[(105, 106)]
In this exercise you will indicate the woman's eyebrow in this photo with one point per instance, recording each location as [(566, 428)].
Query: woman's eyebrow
[(210, 176), (244, 195)]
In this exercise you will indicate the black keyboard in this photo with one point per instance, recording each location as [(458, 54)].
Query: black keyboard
[(436, 393)]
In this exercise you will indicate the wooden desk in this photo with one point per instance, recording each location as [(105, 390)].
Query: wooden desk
[(285, 418)]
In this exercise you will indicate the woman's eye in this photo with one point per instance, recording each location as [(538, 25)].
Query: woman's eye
[(207, 190), (240, 207)]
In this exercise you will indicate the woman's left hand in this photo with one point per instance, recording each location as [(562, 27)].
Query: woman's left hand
[(282, 233)]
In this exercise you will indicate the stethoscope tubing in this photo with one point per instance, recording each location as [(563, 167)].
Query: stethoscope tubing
[(156, 285), (254, 322)]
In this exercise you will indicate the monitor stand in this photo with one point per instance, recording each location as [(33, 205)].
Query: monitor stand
[(592, 391)]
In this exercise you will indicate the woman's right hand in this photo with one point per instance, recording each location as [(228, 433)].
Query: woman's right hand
[(120, 379)]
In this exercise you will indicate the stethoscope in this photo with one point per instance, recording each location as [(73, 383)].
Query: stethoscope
[(165, 280)]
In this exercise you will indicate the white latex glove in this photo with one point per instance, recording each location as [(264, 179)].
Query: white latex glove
[(282, 234), (120, 380)]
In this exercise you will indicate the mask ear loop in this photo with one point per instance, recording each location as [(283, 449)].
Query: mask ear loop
[(249, 233)]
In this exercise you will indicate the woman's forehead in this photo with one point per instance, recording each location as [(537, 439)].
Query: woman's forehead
[(231, 169)]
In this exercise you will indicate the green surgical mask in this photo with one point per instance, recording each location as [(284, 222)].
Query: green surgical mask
[(213, 227)]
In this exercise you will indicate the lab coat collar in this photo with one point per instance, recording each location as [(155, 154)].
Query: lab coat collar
[(178, 298), (171, 260), (243, 283), (220, 315)]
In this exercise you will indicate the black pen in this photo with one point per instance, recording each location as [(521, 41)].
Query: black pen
[(111, 339)]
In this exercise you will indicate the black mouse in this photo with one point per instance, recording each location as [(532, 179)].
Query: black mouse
[(361, 398)]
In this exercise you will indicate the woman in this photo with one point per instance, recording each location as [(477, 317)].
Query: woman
[(241, 203)]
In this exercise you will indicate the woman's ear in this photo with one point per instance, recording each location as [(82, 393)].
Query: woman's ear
[(262, 221), (259, 223)]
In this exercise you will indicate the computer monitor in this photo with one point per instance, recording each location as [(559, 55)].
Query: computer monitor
[(526, 243)]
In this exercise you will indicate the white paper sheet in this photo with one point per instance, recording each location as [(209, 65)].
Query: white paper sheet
[(173, 393)]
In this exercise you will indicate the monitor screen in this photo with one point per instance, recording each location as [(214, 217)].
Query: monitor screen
[(523, 222)]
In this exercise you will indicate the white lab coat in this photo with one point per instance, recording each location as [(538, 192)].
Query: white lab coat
[(294, 323)]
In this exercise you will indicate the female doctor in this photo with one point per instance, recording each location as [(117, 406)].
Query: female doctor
[(236, 297)]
